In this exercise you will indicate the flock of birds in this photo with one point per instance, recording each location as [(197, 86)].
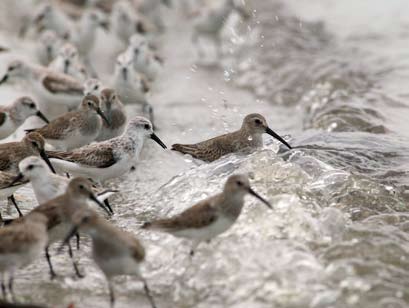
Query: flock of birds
[(89, 137)]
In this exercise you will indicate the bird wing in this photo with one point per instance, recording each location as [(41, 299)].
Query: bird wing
[(62, 84), (99, 155), (6, 150), (51, 210), (12, 239), (60, 126)]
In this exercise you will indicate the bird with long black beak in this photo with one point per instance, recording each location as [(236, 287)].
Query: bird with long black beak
[(59, 212), (116, 252), (107, 159), (76, 128), (15, 114), (210, 217), (248, 137)]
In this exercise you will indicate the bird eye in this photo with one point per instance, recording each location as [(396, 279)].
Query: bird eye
[(96, 87), (32, 105), (85, 219), (81, 186), (30, 167), (34, 143), (11, 68), (113, 97), (147, 126), (239, 183), (257, 121), (89, 103)]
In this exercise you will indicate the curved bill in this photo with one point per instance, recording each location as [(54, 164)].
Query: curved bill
[(42, 116), (272, 133), (156, 138), (99, 111), (93, 198), (253, 193), (4, 79), (70, 234), (16, 180), (45, 158)]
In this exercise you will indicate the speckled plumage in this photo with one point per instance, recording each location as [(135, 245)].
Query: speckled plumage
[(247, 138)]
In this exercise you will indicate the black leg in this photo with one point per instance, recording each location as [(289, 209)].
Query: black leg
[(77, 236), (3, 288), (148, 293), (67, 175), (106, 202), (11, 198), (74, 264), (11, 281), (111, 294), (50, 265), (192, 252)]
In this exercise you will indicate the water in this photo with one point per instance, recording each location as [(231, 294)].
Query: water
[(330, 75)]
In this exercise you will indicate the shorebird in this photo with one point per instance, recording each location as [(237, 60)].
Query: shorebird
[(76, 128), (107, 159), (211, 21), (49, 17), (14, 115), (92, 86), (144, 60), (47, 47), (67, 62), (115, 113), (59, 212), (248, 137), (47, 185), (153, 10), (20, 245), (125, 21), (210, 217), (12, 153), (51, 88), (8, 186), (116, 252)]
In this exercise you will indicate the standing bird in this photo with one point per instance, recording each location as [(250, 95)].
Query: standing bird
[(59, 212), (76, 128), (248, 137), (47, 47), (115, 113), (53, 90), (210, 217), (21, 245), (116, 252), (12, 153), (14, 115), (92, 86), (108, 159), (67, 62)]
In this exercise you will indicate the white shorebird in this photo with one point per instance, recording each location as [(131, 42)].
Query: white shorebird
[(68, 62), (210, 217), (116, 252), (47, 47), (125, 21), (46, 185), (107, 159), (59, 212), (21, 245), (53, 90), (14, 115), (144, 60), (76, 128), (115, 113), (210, 22), (49, 17), (93, 86)]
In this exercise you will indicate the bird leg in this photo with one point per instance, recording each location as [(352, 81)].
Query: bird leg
[(11, 289), (148, 293), (3, 287), (77, 236), (74, 264), (106, 202), (50, 265), (111, 293), (12, 200)]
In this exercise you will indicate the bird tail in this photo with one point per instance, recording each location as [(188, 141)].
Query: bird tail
[(184, 148), (30, 130)]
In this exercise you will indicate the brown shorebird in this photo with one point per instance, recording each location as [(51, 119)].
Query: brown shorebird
[(116, 252), (211, 216), (115, 112), (59, 212), (14, 115), (248, 137), (76, 128), (20, 245)]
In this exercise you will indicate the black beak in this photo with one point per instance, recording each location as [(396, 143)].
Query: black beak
[(42, 116), (73, 231), (253, 193), (156, 138), (45, 157), (93, 198), (99, 111), (272, 133), (4, 79), (17, 179), (66, 66)]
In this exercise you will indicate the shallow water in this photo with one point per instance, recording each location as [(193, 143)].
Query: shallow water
[(333, 77)]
